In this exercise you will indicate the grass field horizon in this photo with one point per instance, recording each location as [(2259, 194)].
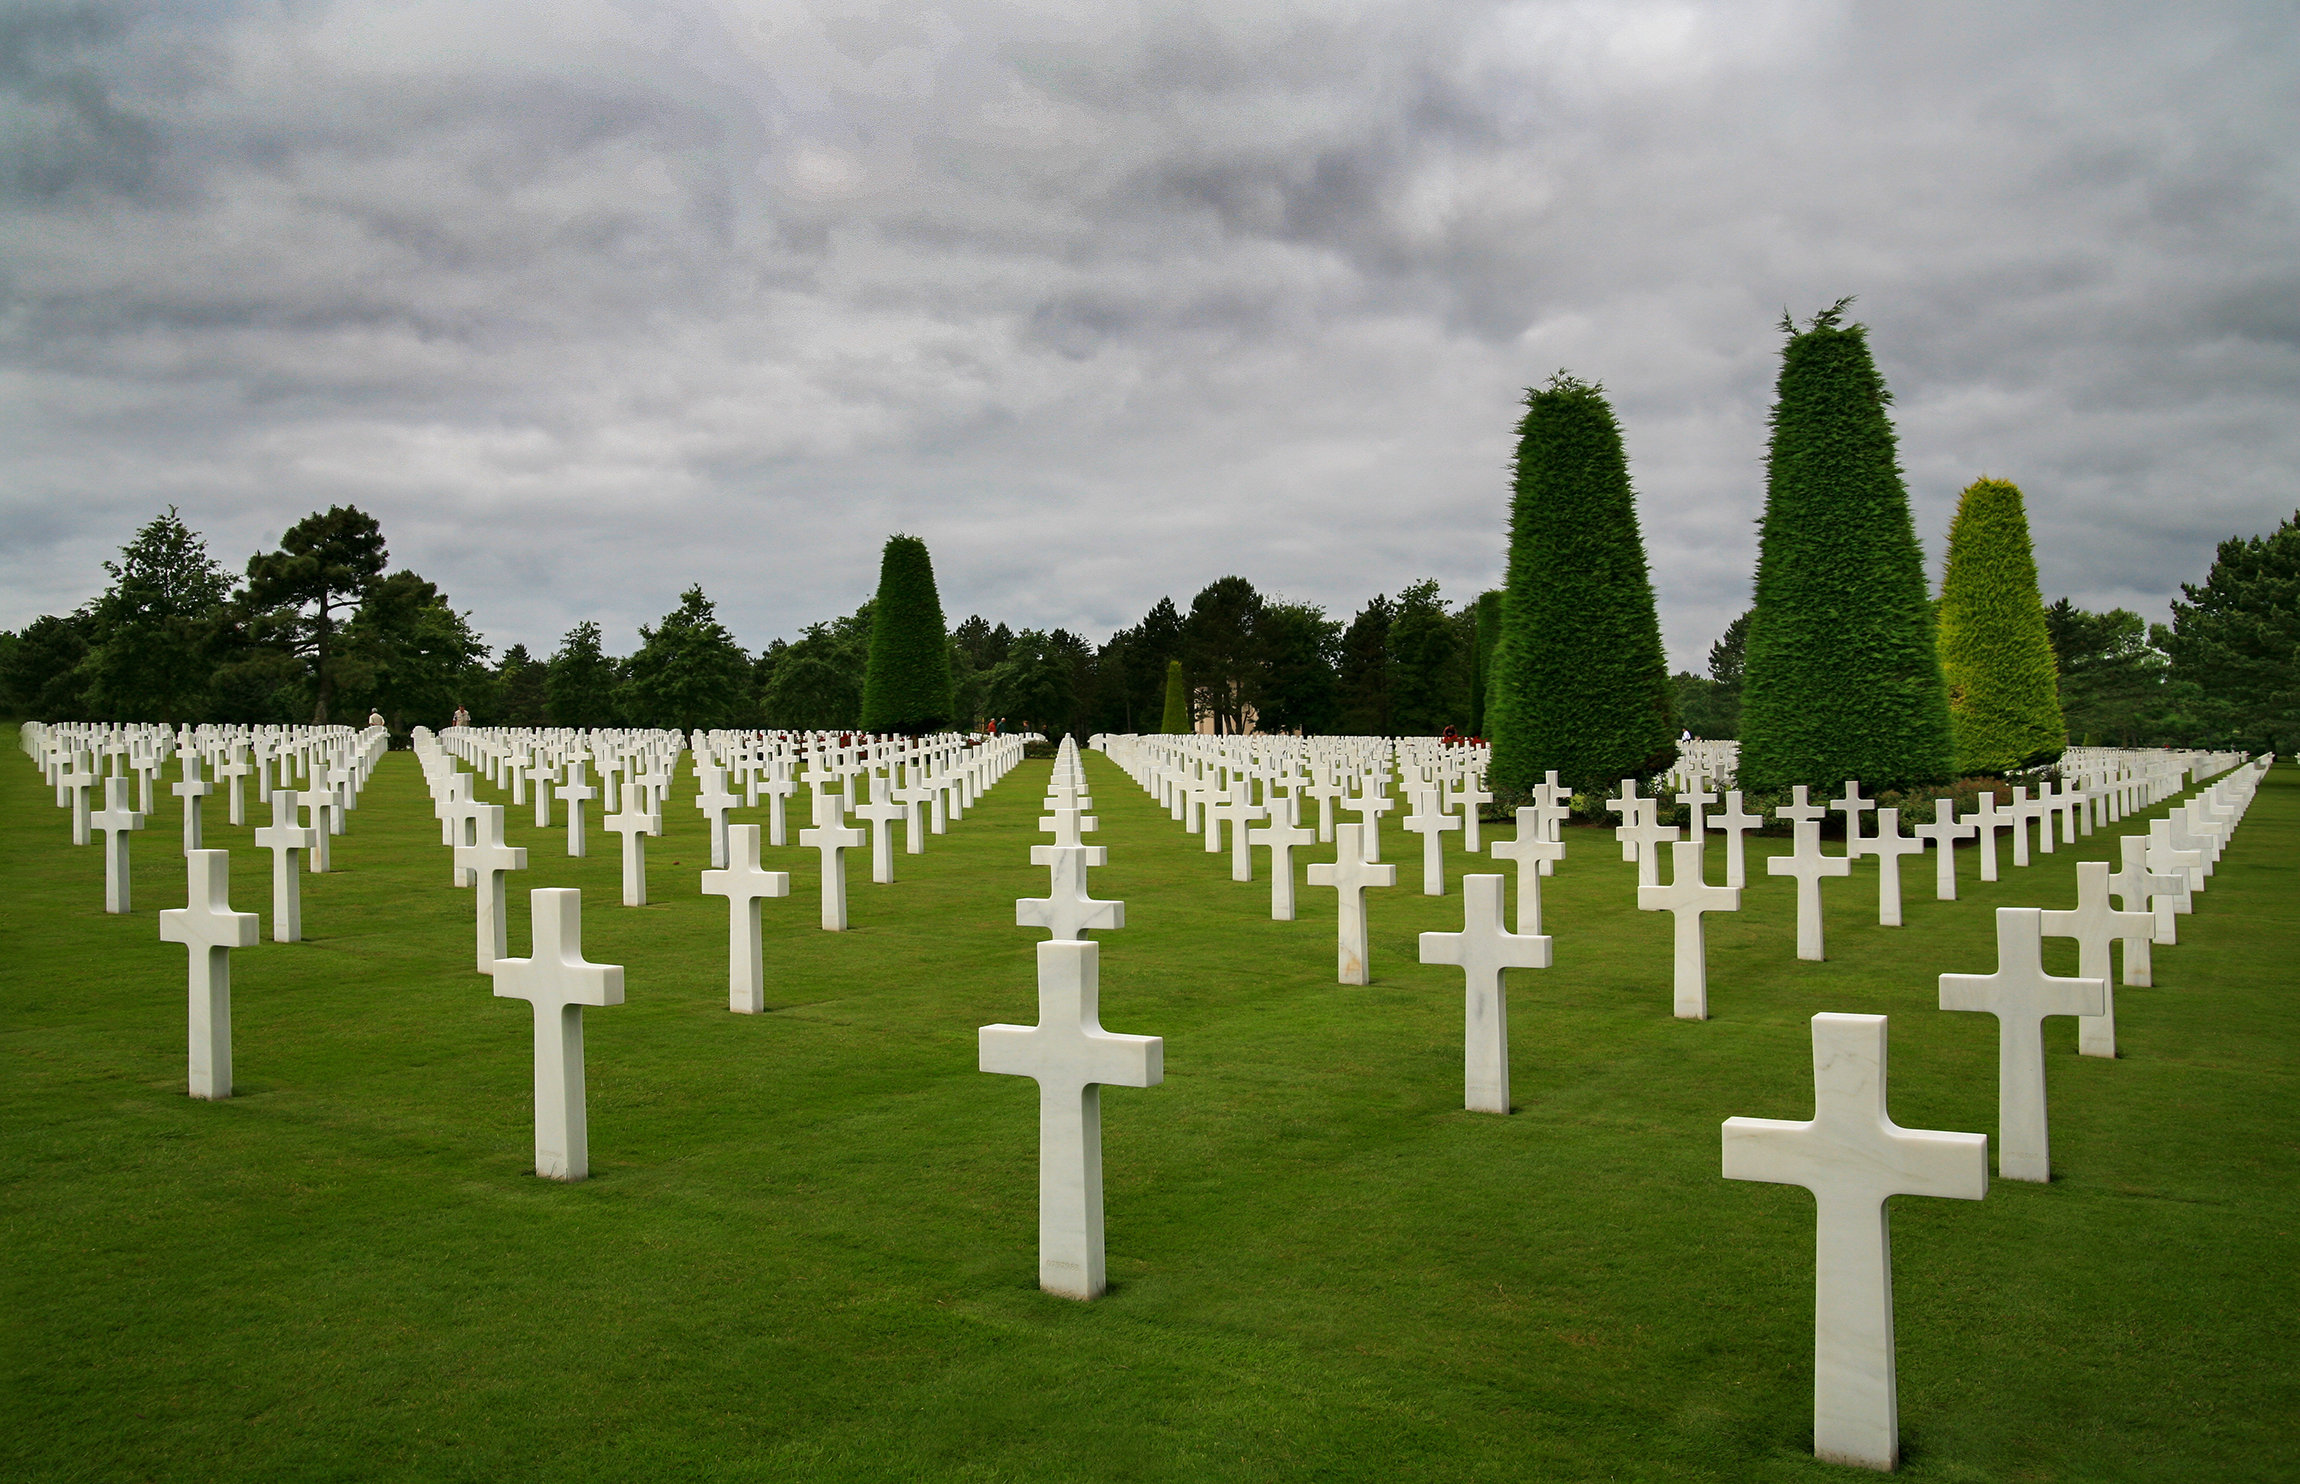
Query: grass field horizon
[(808, 1248)]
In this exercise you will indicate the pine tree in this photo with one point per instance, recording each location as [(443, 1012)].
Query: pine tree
[(1486, 618), (907, 687), (1579, 682), (1996, 651), (1843, 676), (1177, 717)]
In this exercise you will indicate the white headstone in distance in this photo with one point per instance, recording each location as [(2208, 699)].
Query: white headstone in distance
[(1809, 865), (1888, 845), (1735, 823), (1068, 911), (2020, 994), (634, 824), (1282, 836), (487, 860), (208, 926), (2096, 926), (1943, 834), (285, 837), (1485, 951), (192, 791), (115, 822), (556, 980), (743, 884), (1854, 1158), (1072, 1058), (834, 838), (575, 793), (1534, 854)]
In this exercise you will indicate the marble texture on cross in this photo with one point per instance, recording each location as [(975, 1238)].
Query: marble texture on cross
[(1430, 821), (207, 925), (193, 790), (2096, 927), (1642, 838), (1854, 1158), (1853, 806), (1068, 912), (2020, 994), (486, 860), (1072, 1058), (575, 793), (834, 838), (1693, 801), (115, 822), (1472, 797), (1690, 899), (634, 824), (1350, 873), (1237, 810), (1943, 834), (285, 838), (557, 981), (1735, 823), (1809, 865), (1888, 845), (1282, 836), (1535, 855), (1369, 804), (1485, 951), (715, 800), (881, 809), (1987, 819), (76, 780), (743, 884)]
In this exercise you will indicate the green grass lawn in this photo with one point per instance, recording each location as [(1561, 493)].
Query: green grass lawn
[(808, 1248)]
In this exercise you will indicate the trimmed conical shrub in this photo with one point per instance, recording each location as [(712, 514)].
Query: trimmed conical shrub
[(1996, 654), (1177, 717), (907, 685), (1843, 678), (1578, 681)]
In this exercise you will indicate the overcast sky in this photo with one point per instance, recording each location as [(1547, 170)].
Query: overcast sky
[(588, 300)]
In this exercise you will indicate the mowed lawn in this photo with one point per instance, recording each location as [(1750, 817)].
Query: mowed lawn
[(808, 1249)]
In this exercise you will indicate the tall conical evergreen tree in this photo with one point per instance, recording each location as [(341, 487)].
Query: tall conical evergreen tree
[(907, 684), (1177, 715), (1843, 677), (1996, 654), (1578, 681)]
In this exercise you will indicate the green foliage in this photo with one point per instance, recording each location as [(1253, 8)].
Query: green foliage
[(410, 655), (1702, 705), (1429, 681), (1297, 689), (152, 631), (519, 690), (1579, 681), (907, 682), (579, 681), (43, 675), (2237, 639), (1222, 650), (1843, 679), (324, 566), (1363, 676), (1176, 717), (688, 672), (817, 682), (1035, 687), (2004, 698), (2116, 688), (1485, 630)]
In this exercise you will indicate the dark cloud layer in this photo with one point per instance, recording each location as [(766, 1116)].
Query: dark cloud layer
[(595, 298)]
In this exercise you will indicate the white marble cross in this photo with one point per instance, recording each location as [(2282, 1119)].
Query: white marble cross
[(324, 816), (1627, 805), (882, 809), (715, 799), (1535, 854), (1888, 845), (1430, 821), (2141, 890), (1987, 818), (1281, 837), (1801, 810), (1472, 797), (634, 824), (192, 790), (556, 980), (486, 860), (115, 822), (833, 837), (1943, 834), (2096, 927), (285, 837), (1072, 1058), (1808, 864), (2020, 994), (543, 776), (1642, 838), (1691, 899), (742, 883), (1854, 1158), (1068, 912), (1694, 800), (1734, 823), (76, 781), (1369, 804), (1237, 810), (207, 925), (778, 790), (1853, 806), (1350, 873), (575, 793), (233, 772), (1485, 951)]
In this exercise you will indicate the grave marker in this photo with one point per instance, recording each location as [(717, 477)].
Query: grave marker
[(207, 925), (556, 980)]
